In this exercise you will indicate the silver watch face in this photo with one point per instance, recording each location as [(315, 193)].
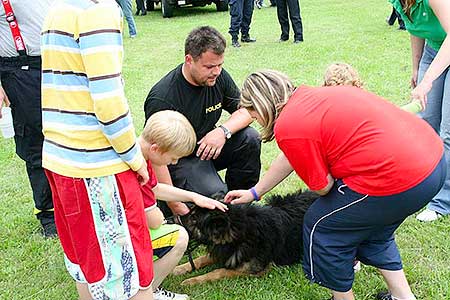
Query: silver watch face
[(226, 131)]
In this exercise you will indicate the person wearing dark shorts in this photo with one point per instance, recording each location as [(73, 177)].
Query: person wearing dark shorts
[(372, 163), (200, 89)]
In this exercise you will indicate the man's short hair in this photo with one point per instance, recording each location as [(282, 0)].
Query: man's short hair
[(202, 39), (171, 131)]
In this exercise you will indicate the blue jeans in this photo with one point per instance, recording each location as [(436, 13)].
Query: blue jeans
[(128, 13), (241, 12), (437, 114)]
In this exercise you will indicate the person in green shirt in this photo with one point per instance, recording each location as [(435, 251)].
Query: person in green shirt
[(428, 22)]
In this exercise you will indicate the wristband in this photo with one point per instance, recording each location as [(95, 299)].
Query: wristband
[(255, 194)]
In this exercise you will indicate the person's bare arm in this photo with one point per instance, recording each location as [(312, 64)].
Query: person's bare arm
[(163, 176), (170, 193), (278, 171), (416, 53), (441, 62), (212, 143)]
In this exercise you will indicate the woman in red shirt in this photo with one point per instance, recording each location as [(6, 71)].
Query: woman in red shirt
[(372, 163)]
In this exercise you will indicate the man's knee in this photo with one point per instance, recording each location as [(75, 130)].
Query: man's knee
[(250, 138)]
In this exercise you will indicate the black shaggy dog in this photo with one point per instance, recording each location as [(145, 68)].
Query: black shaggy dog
[(248, 238)]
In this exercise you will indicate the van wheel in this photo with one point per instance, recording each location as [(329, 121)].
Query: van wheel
[(150, 5), (167, 9), (222, 5)]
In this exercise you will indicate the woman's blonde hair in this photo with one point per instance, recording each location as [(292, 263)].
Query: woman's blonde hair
[(266, 92), (341, 74), (171, 131)]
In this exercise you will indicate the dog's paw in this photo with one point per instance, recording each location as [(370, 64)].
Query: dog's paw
[(191, 281), (181, 270)]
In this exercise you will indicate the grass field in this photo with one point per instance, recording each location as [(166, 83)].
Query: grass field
[(350, 31)]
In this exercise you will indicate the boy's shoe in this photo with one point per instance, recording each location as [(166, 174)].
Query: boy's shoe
[(428, 215), (356, 266), (384, 296), (49, 230), (235, 43), (162, 294)]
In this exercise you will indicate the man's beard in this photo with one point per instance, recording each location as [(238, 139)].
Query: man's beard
[(200, 82)]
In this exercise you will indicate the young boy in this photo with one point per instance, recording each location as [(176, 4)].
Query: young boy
[(90, 154), (344, 74), (167, 136)]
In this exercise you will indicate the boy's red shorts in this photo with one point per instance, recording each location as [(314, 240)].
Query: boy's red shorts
[(103, 231)]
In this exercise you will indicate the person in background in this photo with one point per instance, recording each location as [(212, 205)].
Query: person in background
[(140, 8), (91, 156), (428, 22), (396, 16), (293, 6), (344, 74), (20, 82), (369, 174), (128, 14), (241, 12)]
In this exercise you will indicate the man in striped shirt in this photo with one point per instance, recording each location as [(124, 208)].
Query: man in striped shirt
[(90, 152)]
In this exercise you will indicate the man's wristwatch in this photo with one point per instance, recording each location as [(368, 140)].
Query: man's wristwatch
[(226, 131)]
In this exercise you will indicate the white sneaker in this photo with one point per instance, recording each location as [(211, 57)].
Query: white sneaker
[(356, 266), (428, 215), (162, 294)]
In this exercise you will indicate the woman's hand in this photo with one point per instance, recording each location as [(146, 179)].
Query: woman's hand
[(238, 196), (419, 93), (209, 203)]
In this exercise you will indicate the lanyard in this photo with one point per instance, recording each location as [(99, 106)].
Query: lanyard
[(14, 26)]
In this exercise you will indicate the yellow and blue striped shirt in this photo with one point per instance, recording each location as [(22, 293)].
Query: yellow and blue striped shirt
[(86, 120)]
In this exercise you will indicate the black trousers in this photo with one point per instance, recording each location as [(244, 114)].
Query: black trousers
[(23, 88), (395, 16), (140, 5), (240, 156), (294, 14), (241, 12)]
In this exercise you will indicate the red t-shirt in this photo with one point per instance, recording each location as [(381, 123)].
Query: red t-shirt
[(373, 146), (147, 189)]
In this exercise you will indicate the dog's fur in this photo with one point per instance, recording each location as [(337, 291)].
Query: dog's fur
[(248, 238)]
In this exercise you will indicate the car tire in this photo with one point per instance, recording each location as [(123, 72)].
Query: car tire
[(166, 8), (222, 5), (150, 5)]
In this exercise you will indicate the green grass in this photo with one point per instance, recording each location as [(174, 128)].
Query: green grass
[(350, 31)]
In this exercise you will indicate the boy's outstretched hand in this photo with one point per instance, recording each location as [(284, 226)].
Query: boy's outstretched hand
[(209, 203)]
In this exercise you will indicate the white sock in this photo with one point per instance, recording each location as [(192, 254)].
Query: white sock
[(412, 297)]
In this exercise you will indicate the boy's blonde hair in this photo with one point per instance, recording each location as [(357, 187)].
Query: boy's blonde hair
[(266, 92), (341, 74), (171, 131)]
